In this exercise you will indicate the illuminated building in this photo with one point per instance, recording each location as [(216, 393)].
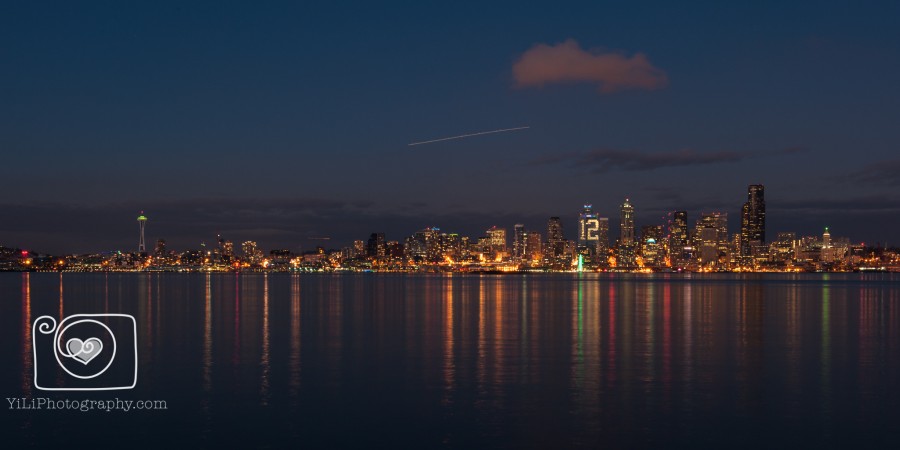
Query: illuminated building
[(533, 245), (833, 250), (555, 240), (142, 221), (587, 230), (280, 259), (497, 238), (375, 248), (430, 237), (679, 239), (626, 250), (587, 225), (160, 249), (450, 246), (593, 237), (519, 241), (782, 250), (627, 223), (651, 245), (359, 249), (753, 219), (603, 241), (711, 238), (393, 249), (228, 248), (251, 253), (483, 245), (423, 245), (709, 246)]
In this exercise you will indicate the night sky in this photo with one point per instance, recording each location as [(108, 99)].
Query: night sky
[(277, 122)]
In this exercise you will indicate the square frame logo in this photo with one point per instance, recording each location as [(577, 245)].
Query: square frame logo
[(87, 354)]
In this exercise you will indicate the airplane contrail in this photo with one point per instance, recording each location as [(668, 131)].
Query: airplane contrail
[(468, 135)]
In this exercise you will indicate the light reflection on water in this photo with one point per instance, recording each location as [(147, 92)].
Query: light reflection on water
[(453, 360)]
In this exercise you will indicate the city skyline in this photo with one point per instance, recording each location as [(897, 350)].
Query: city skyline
[(670, 245), (289, 121), (609, 225)]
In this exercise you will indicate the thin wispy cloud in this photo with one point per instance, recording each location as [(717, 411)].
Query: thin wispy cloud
[(567, 62), (874, 203), (882, 173), (603, 160)]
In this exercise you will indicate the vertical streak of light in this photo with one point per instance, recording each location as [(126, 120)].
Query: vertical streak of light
[(294, 358), (106, 292), (865, 339), (237, 321), (611, 345), (60, 380), (449, 366), (826, 351), (480, 365), (688, 321), (667, 337), (650, 331), (794, 344), (742, 339), (149, 315), (27, 355), (207, 338), (593, 341), (336, 318), (264, 357), (158, 301), (498, 362), (627, 333), (61, 297), (157, 304), (207, 356), (578, 329), (523, 335)]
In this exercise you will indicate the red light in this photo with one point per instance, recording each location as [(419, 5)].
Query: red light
[(24, 252)]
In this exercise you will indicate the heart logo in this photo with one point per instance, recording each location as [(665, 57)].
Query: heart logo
[(84, 351)]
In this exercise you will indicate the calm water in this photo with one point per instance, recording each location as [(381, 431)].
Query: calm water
[(540, 361)]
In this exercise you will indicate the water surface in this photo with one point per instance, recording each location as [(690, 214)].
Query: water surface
[(463, 361)]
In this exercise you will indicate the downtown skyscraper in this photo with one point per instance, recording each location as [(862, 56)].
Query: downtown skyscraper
[(753, 219), (626, 255), (679, 239), (593, 236), (555, 241), (519, 241)]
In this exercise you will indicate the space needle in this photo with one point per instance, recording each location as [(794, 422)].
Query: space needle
[(142, 221)]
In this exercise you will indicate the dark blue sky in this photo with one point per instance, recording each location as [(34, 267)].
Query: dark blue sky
[(277, 122)]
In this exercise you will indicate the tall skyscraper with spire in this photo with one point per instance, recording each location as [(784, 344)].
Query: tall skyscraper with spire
[(627, 223), (626, 236), (753, 219)]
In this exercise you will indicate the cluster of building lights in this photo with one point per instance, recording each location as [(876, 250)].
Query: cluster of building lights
[(666, 247)]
